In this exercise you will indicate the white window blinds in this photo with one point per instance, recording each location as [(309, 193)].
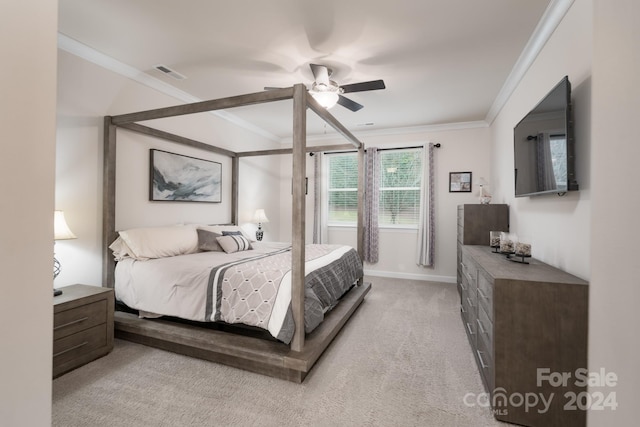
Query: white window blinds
[(400, 177)]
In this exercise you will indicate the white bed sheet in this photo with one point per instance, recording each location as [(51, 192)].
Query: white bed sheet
[(174, 286)]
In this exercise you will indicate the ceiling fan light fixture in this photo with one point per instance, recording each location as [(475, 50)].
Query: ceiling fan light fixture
[(326, 99)]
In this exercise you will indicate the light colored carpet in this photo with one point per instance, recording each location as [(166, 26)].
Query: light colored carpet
[(402, 360)]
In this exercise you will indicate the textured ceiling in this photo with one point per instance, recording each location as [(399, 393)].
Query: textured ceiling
[(443, 61)]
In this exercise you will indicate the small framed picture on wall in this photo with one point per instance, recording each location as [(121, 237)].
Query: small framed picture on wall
[(459, 182)]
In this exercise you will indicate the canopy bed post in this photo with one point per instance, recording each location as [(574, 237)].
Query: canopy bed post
[(298, 214), (108, 201), (361, 196), (235, 175)]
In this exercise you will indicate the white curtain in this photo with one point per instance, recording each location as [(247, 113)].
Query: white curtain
[(371, 205), (426, 223), (320, 202)]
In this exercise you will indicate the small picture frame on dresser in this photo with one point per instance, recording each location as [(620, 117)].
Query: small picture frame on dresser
[(459, 182)]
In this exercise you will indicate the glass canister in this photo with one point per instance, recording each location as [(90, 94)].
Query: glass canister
[(507, 242), (523, 248), (494, 239)]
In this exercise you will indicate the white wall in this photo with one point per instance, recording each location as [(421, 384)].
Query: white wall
[(86, 94), (558, 226), (615, 272), (27, 120), (591, 233), (461, 150)]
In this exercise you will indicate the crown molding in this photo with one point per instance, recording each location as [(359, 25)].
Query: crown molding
[(87, 53), (548, 23), (399, 131)]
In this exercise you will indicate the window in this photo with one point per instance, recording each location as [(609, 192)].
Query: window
[(343, 188), (558, 147), (400, 176)]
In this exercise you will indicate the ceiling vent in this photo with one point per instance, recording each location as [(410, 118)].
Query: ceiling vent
[(169, 72)]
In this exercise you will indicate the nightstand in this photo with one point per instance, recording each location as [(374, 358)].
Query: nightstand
[(82, 326)]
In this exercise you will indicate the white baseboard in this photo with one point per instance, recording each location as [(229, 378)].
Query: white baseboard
[(410, 276)]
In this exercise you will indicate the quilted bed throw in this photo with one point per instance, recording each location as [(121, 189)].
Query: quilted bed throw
[(257, 291)]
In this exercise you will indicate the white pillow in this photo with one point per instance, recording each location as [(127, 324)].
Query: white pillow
[(236, 243), (120, 249), (159, 242)]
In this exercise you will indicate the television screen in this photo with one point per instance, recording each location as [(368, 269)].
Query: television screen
[(544, 146)]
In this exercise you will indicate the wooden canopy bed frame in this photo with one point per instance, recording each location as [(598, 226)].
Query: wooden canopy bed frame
[(272, 358)]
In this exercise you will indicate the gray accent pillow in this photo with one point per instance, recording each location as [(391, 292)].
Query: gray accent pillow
[(207, 241)]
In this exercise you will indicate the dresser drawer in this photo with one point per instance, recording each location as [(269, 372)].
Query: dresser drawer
[(470, 271), (79, 318), (485, 294), (485, 329), (77, 345), (468, 317), (469, 297), (485, 364)]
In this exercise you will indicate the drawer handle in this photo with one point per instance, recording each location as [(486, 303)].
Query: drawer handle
[(462, 308), (464, 288), (70, 349), (482, 295), (469, 328), (484, 365), (470, 303), (71, 323), (480, 327)]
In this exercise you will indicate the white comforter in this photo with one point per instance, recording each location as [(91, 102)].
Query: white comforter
[(174, 286)]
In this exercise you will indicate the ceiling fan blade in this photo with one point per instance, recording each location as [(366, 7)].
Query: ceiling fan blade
[(271, 88), (320, 74), (349, 104), (360, 87)]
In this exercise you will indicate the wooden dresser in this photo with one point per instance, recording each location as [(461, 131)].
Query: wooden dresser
[(474, 224), (519, 318), (82, 326)]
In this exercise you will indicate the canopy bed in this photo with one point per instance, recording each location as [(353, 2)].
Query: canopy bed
[(293, 361)]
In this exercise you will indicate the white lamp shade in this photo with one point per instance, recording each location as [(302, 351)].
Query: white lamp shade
[(260, 217), (60, 228)]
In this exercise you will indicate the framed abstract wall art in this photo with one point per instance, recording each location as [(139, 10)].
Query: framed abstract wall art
[(178, 178)]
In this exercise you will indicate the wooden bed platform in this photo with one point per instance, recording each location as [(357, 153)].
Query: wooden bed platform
[(270, 358)]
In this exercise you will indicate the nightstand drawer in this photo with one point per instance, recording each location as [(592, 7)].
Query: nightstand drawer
[(80, 318), (80, 344)]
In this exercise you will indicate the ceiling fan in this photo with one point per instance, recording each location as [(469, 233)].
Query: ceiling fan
[(328, 93)]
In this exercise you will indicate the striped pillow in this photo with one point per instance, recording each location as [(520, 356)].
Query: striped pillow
[(234, 243)]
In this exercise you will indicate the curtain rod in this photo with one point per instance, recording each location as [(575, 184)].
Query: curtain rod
[(406, 148), (380, 149)]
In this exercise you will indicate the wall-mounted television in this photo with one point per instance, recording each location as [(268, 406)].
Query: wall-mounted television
[(543, 146)]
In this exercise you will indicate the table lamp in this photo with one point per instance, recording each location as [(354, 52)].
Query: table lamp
[(260, 217), (61, 231)]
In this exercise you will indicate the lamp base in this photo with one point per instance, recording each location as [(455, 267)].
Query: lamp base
[(56, 292), (259, 234)]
